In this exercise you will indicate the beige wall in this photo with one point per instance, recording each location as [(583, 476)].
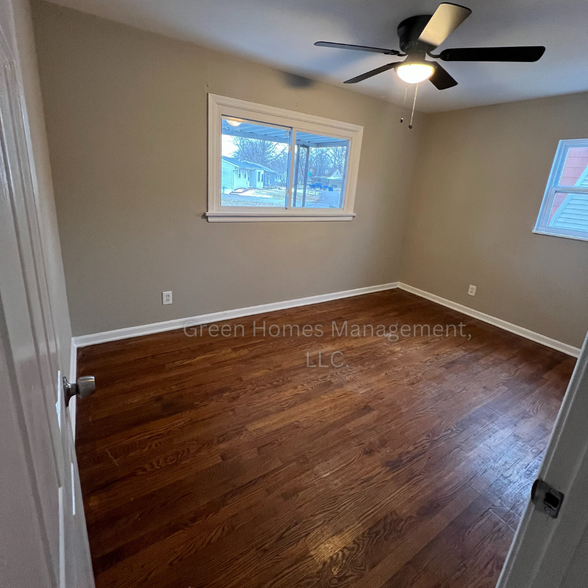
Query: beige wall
[(481, 178), (126, 117)]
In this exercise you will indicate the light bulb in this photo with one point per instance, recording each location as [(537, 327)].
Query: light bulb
[(233, 122), (413, 73)]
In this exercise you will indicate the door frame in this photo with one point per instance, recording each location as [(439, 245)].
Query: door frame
[(38, 440), (543, 548)]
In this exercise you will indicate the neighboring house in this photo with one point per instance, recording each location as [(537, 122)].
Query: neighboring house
[(233, 175), (572, 213), (245, 174), (575, 173), (583, 179), (335, 180)]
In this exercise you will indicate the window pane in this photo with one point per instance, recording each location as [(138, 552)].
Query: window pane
[(255, 161), (320, 168), (575, 169), (569, 212)]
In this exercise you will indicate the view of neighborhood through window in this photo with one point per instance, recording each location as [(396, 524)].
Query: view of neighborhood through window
[(255, 163), (320, 166), (565, 206)]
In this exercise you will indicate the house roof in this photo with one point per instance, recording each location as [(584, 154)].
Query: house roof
[(247, 164), (280, 135), (336, 175)]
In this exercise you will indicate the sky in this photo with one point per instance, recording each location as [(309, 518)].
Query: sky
[(229, 147)]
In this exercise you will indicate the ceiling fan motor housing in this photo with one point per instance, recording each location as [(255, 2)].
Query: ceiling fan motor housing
[(409, 31)]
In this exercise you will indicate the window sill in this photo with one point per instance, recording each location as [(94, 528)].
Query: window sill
[(249, 217), (561, 235)]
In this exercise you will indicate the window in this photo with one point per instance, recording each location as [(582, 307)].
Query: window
[(271, 164), (564, 212)]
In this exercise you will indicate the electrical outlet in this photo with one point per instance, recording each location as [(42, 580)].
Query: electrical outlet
[(471, 291), (166, 297)]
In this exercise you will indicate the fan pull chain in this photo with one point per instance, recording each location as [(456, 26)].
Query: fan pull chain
[(404, 102), (416, 91)]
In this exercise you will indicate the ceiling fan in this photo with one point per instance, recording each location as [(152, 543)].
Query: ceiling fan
[(420, 35)]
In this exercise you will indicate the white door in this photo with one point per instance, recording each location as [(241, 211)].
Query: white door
[(553, 552), (37, 435)]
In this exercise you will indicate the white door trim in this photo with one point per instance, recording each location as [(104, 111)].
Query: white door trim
[(28, 310), (543, 548), (73, 374)]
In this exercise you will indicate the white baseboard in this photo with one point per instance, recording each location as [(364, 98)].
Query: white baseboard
[(213, 317), (139, 331), (118, 334), (526, 333)]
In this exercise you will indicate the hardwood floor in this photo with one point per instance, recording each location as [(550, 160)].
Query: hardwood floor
[(227, 461)]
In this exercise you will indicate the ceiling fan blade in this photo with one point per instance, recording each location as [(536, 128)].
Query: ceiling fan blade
[(513, 54), (373, 72), (441, 78), (444, 21), (357, 47)]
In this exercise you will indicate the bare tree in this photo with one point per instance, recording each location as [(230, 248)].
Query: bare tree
[(323, 162), (338, 156), (267, 153)]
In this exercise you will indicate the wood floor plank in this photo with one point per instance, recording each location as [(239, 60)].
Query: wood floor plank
[(219, 462)]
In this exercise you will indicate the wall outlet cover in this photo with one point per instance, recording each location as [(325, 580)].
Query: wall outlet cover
[(166, 297), (472, 290)]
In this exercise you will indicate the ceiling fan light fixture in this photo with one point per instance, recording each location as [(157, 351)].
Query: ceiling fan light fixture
[(414, 73)]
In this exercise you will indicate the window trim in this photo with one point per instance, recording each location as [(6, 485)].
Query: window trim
[(219, 106), (559, 161)]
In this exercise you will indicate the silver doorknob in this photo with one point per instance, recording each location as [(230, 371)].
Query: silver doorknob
[(83, 388)]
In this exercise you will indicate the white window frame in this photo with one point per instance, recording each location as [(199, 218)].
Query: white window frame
[(541, 227), (219, 106)]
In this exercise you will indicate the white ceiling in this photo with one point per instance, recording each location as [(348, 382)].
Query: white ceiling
[(282, 33)]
